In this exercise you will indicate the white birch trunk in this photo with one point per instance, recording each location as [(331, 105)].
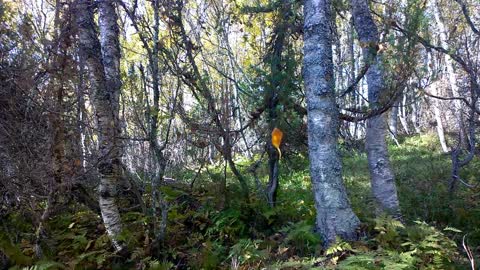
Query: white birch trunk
[(103, 70), (334, 214), (382, 177)]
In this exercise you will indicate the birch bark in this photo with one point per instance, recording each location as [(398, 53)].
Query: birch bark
[(334, 214), (102, 60), (382, 177)]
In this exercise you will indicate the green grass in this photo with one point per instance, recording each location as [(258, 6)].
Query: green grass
[(422, 174), (207, 232)]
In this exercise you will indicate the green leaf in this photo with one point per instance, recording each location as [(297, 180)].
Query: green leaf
[(452, 229)]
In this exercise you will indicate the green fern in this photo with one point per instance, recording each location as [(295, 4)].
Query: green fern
[(302, 237), (247, 251)]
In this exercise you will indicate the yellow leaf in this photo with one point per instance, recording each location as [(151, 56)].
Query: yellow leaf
[(277, 136)]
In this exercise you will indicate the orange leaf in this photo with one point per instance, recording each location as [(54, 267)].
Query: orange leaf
[(277, 136)]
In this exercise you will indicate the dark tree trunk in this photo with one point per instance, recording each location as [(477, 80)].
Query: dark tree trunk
[(272, 186), (273, 93)]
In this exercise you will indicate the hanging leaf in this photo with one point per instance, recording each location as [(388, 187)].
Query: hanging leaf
[(277, 136)]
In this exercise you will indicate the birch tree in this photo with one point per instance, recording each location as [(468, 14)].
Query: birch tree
[(102, 60), (334, 214), (382, 177)]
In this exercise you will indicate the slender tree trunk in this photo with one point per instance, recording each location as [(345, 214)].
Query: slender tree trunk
[(200, 89), (159, 203), (382, 177), (57, 83), (435, 104), (450, 74), (469, 143), (272, 98), (273, 173), (403, 114), (394, 120), (105, 83), (334, 214), (80, 117), (273, 158), (415, 114), (275, 80), (440, 130), (354, 100)]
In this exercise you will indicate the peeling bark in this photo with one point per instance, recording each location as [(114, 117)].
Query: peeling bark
[(102, 61)]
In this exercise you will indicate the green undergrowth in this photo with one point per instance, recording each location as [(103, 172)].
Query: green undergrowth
[(210, 228)]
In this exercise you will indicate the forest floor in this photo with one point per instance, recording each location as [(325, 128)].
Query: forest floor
[(212, 229)]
